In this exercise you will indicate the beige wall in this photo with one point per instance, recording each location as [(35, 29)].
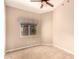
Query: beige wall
[(63, 27), (58, 27), (46, 28), (13, 33)]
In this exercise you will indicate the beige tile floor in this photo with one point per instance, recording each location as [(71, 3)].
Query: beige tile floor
[(40, 52)]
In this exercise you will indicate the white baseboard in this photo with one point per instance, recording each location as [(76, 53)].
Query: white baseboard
[(58, 47), (63, 49), (20, 48), (46, 44), (12, 50)]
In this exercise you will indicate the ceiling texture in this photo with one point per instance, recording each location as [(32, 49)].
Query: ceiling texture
[(30, 6)]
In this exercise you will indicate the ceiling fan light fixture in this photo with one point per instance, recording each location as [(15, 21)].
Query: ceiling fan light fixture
[(43, 2)]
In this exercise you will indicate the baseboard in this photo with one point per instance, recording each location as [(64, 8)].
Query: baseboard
[(46, 44), (63, 49), (20, 48), (12, 50)]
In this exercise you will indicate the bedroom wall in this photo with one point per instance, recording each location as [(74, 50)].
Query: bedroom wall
[(13, 39), (46, 28), (63, 27), (58, 27)]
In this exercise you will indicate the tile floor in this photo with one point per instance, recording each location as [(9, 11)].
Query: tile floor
[(39, 52)]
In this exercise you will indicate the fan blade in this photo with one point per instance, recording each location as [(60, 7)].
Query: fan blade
[(41, 6), (50, 4)]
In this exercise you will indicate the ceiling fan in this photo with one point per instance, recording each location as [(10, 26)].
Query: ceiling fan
[(43, 1)]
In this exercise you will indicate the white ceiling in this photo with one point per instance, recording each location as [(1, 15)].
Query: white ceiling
[(33, 6)]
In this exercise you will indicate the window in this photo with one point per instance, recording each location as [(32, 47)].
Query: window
[(28, 29)]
